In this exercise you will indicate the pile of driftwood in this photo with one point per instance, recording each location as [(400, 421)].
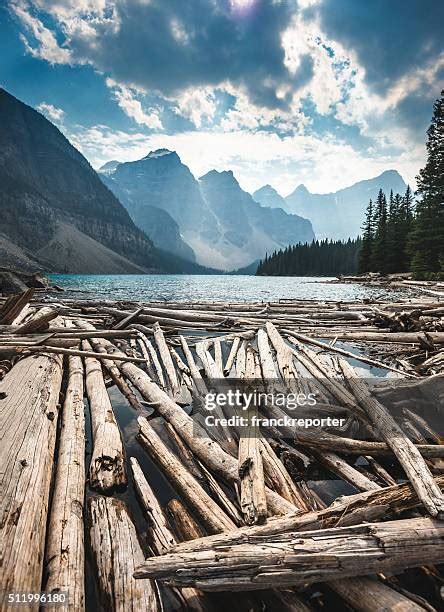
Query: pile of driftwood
[(247, 512)]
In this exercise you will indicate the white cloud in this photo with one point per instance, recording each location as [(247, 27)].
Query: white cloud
[(53, 113), (46, 45), (131, 106), (197, 104), (257, 158)]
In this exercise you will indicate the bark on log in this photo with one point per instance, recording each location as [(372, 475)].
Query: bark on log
[(298, 559), (65, 542), (117, 553), (28, 425), (107, 469)]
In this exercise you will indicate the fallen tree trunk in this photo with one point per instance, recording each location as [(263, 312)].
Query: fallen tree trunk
[(347, 510), (65, 542), (376, 593), (208, 451), (107, 468), (162, 537), (298, 559), (407, 454), (40, 320), (117, 553), (28, 425), (209, 512)]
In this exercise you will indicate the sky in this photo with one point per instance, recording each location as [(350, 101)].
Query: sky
[(281, 92)]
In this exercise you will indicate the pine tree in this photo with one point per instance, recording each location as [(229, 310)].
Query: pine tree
[(427, 237), (379, 247), (367, 241)]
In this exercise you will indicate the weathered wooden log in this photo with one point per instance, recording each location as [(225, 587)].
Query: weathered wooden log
[(14, 304), (284, 356), (340, 351), (67, 351), (347, 510), (194, 370), (65, 554), (127, 320), (162, 538), (167, 361), (184, 524), (231, 356), (211, 515), (253, 500), (39, 320), (107, 468), (207, 450), (100, 345), (383, 337), (347, 472), (29, 396), (407, 454), (376, 594), (269, 372), (117, 553), (302, 558)]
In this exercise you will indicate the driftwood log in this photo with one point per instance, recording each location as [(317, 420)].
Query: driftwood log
[(297, 559), (28, 425), (117, 553), (65, 542)]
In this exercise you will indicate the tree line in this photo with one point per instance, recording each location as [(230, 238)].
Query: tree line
[(399, 234), (320, 258)]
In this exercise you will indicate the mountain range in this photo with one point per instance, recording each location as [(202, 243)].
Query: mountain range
[(210, 219), (340, 215), (56, 213), (150, 215)]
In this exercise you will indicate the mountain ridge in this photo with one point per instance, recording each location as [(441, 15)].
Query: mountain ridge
[(47, 183), (224, 231), (340, 214)]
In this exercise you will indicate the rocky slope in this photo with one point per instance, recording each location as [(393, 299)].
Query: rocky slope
[(54, 207), (341, 214), (224, 226), (130, 182)]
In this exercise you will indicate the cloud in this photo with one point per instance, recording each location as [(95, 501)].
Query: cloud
[(39, 41), (256, 158), (169, 46), (389, 39), (131, 106), (53, 113)]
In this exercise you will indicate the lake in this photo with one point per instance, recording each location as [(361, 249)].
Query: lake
[(190, 287)]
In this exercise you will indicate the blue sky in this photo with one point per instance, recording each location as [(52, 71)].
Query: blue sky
[(320, 92)]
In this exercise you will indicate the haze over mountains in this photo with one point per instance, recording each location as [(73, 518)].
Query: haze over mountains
[(341, 214), (58, 214), (222, 225)]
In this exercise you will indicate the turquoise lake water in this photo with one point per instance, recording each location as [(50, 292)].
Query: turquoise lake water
[(187, 287)]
